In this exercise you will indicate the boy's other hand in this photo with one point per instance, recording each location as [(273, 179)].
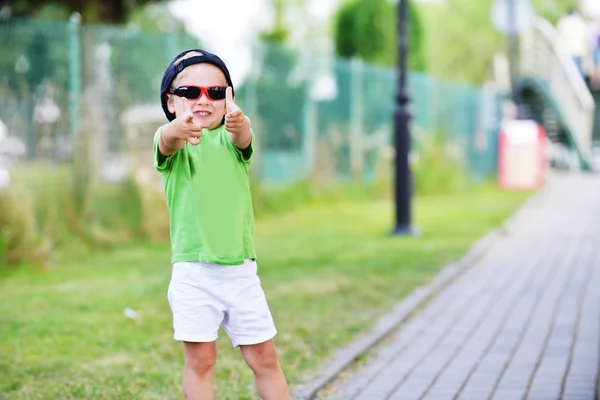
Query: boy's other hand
[(235, 119)]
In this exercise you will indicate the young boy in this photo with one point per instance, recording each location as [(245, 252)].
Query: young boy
[(204, 154)]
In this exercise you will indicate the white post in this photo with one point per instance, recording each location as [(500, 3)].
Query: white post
[(310, 125), (356, 118)]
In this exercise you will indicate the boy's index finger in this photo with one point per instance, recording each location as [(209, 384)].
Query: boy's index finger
[(189, 115)]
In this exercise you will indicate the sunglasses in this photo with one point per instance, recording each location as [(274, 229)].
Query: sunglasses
[(195, 92)]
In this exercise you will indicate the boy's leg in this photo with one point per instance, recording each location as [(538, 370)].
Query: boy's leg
[(198, 372), (269, 378)]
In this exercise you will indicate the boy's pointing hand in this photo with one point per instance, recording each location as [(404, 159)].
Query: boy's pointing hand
[(190, 128), (180, 130), (235, 118)]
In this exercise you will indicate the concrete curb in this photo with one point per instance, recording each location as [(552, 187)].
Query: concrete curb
[(345, 357)]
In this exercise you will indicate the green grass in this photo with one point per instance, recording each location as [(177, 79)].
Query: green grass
[(328, 271)]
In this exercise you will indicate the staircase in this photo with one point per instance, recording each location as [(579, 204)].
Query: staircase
[(554, 92)]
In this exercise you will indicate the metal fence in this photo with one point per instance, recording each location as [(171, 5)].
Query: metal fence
[(313, 115)]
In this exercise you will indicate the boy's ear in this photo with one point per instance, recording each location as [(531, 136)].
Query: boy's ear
[(170, 104)]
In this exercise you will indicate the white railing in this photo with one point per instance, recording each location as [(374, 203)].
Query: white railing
[(543, 55)]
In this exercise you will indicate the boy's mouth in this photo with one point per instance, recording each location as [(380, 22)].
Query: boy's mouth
[(203, 113)]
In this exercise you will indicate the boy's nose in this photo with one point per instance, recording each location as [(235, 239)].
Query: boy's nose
[(203, 99)]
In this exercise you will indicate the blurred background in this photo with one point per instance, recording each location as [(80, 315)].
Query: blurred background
[(79, 97), (79, 104)]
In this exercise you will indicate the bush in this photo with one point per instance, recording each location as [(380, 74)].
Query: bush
[(18, 241), (46, 210), (437, 171), (51, 209)]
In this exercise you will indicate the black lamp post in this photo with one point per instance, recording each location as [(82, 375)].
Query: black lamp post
[(402, 116)]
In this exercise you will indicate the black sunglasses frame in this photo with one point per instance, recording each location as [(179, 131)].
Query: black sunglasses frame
[(214, 93)]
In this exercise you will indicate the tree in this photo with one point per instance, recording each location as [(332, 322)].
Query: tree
[(279, 32), (113, 11), (368, 29), (553, 9), (461, 40)]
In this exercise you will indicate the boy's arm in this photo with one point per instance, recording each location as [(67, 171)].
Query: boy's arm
[(237, 124), (243, 138), (168, 145)]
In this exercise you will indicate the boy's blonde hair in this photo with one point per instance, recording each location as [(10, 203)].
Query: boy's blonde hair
[(179, 60)]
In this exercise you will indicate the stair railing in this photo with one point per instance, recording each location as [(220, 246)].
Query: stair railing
[(543, 55)]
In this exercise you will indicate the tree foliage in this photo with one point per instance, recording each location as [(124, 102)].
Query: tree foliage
[(113, 11), (279, 32), (553, 9), (462, 41), (368, 29)]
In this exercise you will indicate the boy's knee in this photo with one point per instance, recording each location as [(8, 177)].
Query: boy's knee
[(201, 360), (201, 365), (262, 358), (264, 364)]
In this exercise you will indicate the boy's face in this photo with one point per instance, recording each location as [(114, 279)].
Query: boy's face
[(209, 112)]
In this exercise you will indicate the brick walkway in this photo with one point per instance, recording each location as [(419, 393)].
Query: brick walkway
[(522, 323)]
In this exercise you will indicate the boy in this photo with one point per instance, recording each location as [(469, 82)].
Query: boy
[(204, 154)]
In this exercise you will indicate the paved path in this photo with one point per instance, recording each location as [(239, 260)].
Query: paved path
[(522, 323)]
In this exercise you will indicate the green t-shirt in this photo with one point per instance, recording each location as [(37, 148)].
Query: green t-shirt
[(208, 198)]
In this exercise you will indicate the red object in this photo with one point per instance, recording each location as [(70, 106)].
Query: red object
[(522, 161)]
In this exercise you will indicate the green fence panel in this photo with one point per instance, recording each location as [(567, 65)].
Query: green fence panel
[(313, 115)]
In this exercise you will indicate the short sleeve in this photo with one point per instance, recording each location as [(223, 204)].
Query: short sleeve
[(161, 162), (246, 155)]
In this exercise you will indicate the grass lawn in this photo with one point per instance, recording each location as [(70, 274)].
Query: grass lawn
[(328, 271)]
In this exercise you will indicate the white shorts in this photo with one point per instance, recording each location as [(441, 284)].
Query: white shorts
[(204, 297)]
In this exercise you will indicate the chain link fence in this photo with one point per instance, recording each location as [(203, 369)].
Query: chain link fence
[(79, 106), (59, 81)]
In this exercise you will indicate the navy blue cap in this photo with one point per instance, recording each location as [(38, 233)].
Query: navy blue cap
[(173, 70)]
